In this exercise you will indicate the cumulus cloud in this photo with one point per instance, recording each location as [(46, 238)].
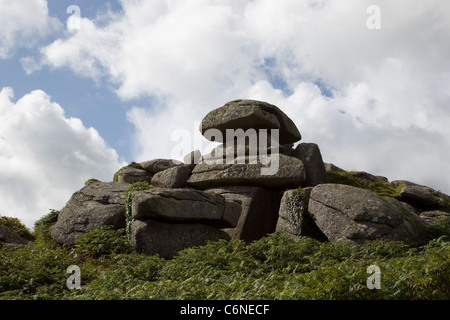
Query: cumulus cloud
[(22, 22), (45, 156), (359, 93)]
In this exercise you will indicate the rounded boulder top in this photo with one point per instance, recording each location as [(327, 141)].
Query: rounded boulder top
[(251, 114)]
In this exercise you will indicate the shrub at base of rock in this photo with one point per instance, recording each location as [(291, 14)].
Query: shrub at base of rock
[(345, 212), (95, 205), (166, 239)]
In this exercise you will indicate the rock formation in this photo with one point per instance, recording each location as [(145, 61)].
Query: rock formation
[(253, 184)]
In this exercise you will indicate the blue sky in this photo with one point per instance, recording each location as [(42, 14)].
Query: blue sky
[(80, 103)]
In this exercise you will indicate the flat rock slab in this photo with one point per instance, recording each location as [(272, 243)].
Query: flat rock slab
[(185, 205), (288, 172), (251, 114), (345, 212), (95, 205), (166, 239), (132, 175)]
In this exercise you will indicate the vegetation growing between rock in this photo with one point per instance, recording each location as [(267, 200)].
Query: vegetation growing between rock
[(137, 186), (355, 179)]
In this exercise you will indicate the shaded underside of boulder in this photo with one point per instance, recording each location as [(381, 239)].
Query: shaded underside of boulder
[(166, 239), (95, 205), (259, 210)]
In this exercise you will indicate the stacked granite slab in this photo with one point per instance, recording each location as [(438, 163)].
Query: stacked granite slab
[(234, 192)]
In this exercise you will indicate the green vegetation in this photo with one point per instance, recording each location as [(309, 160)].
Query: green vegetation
[(14, 225), (273, 267), (359, 180), (88, 182), (137, 186)]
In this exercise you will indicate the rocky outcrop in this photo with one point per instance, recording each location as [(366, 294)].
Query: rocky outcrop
[(95, 205), (253, 184)]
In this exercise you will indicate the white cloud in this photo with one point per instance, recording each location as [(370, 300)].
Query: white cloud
[(389, 86), (22, 22), (45, 156)]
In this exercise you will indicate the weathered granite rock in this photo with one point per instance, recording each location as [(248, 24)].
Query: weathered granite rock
[(309, 154), (166, 239), (132, 175), (424, 196), (158, 165), (251, 114), (193, 158), (290, 173), (259, 210), (185, 205), (174, 177), (294, 217), (345, 212), (95, 205)]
